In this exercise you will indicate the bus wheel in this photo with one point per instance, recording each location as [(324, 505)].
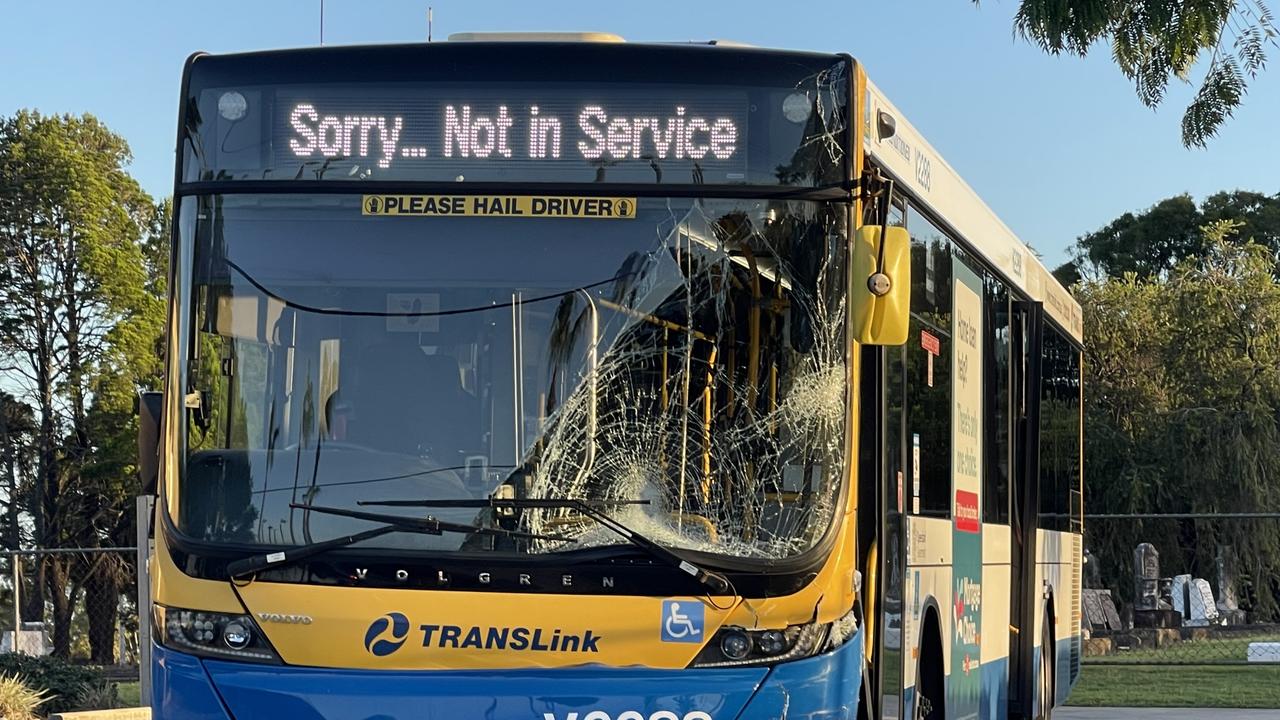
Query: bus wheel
[(1045, 681), (930, 701)]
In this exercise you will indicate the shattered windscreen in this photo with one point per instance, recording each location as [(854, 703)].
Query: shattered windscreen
[(688, 362)]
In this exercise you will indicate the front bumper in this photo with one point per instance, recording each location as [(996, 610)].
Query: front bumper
[(825, 686)]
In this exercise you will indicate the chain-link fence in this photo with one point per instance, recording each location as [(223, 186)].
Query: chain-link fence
[(76, 604), (1191, 589), (1182, 589)]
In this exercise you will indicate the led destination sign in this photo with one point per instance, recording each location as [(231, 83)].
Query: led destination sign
[(393, 135), (523, 114), (471, 134)]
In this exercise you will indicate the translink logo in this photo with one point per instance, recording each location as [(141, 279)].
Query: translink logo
[(387, 633)]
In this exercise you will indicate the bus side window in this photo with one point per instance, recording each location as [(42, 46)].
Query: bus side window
[(1059, 430), (928, 370), (995, 400)]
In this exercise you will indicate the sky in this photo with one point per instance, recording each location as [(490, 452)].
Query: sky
[(1057, 146)]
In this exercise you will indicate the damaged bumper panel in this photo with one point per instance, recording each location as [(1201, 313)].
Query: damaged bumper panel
[(825, 686)]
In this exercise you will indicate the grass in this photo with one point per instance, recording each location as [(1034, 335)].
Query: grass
[(129, 693), (1221, 649), (1235, 686)]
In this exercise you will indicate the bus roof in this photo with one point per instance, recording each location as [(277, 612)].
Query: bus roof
[(501, 53), (917, 166)]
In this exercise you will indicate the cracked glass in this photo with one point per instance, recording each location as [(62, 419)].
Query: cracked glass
[(688, 365)]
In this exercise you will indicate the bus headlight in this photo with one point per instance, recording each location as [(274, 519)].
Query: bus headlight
[(738, 647), (213, 635), (735, 647)]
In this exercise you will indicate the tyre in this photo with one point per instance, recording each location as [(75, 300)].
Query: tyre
[(930, 696), (1045, 680)]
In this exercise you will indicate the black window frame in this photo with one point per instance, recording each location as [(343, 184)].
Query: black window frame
[(1061, 466), (997, 400), (932, 272)]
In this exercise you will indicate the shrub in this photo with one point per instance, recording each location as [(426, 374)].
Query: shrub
[(17, 701), (66, 685), (99, 696)]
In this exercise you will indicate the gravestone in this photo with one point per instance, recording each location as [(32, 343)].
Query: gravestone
[(32, 640), (1146, 577), (1194, 600), (1092, 572), (1149, 609), (1228, 606), (1100, 612)]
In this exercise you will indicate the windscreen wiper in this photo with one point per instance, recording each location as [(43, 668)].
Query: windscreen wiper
[(590, 508), (393, 523)]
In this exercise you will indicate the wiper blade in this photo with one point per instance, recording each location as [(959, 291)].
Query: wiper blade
[(496, 502), (393, 523), (591, 508)]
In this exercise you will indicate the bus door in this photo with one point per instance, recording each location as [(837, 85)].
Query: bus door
[(893, 560), (1027, 324), (882, 526)]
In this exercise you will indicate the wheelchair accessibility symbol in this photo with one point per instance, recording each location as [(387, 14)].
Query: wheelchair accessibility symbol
[(682, 621)]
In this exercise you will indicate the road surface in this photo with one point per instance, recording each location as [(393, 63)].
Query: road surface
[(1091, 713)]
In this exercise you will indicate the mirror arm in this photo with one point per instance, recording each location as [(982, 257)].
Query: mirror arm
[(884, 222), (879, 283)]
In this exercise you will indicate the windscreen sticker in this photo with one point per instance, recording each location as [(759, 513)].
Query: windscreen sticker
[(527, 206), (915, 473), (413, 312), (682, 621), (933, 347)]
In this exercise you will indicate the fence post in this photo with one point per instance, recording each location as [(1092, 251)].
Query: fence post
[(146, 505), (17, 600)]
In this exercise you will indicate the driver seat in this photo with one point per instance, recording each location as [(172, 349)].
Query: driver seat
[(413, 403)]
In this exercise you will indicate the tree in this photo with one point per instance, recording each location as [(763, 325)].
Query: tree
[(71, 270), (17, 442), (1182, 404), (1147, 244), (131, 361), (1155, 41), (1151, 242), (1257, 215)]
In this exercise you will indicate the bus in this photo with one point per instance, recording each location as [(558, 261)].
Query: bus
[(562, 378)]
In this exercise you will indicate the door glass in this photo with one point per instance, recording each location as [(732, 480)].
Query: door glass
[(928, 371), (996, 397), (892, 546)]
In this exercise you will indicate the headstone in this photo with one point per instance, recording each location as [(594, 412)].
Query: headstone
[(1146, 577), (1268, 652), (1100, 614), (1203, 599), (1092, 572), (1150, 610), (1178, 594), (1193, 598), (1228, 605), (1095, 620), (31, 641), (1227, 577)]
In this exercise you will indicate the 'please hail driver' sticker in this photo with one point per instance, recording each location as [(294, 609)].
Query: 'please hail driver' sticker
[(530, 206)]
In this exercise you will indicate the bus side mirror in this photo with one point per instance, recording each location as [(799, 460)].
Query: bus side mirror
[(150, 406), (880, 318)]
